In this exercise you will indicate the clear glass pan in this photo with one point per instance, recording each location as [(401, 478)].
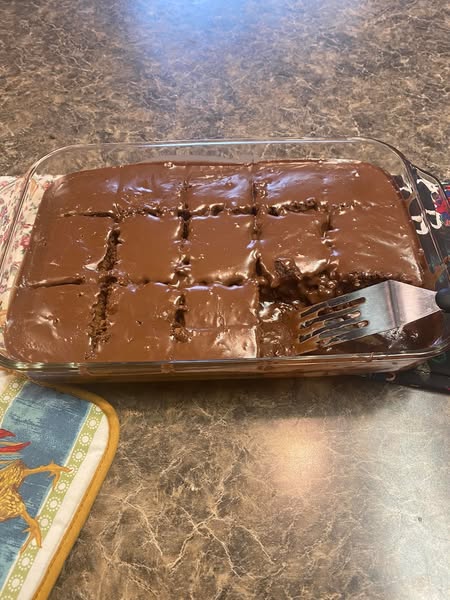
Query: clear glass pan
[(424, 194)]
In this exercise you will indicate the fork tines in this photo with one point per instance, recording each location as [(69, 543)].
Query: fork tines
[(327, 321)]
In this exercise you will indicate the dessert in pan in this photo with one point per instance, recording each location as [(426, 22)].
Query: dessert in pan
[(190, 261)]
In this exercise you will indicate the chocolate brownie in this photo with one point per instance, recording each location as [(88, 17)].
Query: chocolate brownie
[(193, 261)]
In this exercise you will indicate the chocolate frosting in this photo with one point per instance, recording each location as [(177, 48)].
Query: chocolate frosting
[(51, 324), (363, 243), (218, 187), (221, 248), (66, 250), (139, 323), (183, 261), (293, 244), (149, 248), (218, 344), (217, 306)]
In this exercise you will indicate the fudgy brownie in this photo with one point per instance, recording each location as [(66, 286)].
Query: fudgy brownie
[(219, 322), (139, 323), (52, 324), (66, 250), (293, 246), (363, 244), (189, 261), (149, 249), (221, 248), (213, 188)]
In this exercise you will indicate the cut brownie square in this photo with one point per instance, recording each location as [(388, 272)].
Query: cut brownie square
[(321, 185), (292, 246), (151, 188), (91, 192), (221, 249), (140, 322), (213, 188), (217, 306), (357, 184), (149, 248), (281, 187), (219, 322), (368, 250), (66, 250), (216, 344), (51, 323)]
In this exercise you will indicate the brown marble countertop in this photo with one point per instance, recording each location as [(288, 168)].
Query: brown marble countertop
[(326, 489)]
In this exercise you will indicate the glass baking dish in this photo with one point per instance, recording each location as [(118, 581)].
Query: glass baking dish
[(423, 194)]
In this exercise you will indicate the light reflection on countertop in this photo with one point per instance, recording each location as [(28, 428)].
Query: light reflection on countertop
[(301, 458)]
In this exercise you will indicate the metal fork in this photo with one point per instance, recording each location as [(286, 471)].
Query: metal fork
[(369, 311)]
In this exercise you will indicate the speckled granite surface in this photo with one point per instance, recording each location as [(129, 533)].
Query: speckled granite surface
[(116, 70), (329, 490)]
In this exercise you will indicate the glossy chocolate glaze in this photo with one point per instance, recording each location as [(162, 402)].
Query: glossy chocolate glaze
[(182, 261), (66, 250), (219, 187), (83, 193), (205, 344), (217, 306), (322, 185), (219, 322), (221, 248), (362, 245), (149, 248), (154, 190), (293, 245), (139, 323), (52, 324)]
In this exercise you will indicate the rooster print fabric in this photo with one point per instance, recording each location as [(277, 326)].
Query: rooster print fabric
[(51, 443)]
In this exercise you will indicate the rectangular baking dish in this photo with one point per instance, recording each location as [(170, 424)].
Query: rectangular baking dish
[(423, 194)]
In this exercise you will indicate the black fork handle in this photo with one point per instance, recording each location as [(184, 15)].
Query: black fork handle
[(443, 299)]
